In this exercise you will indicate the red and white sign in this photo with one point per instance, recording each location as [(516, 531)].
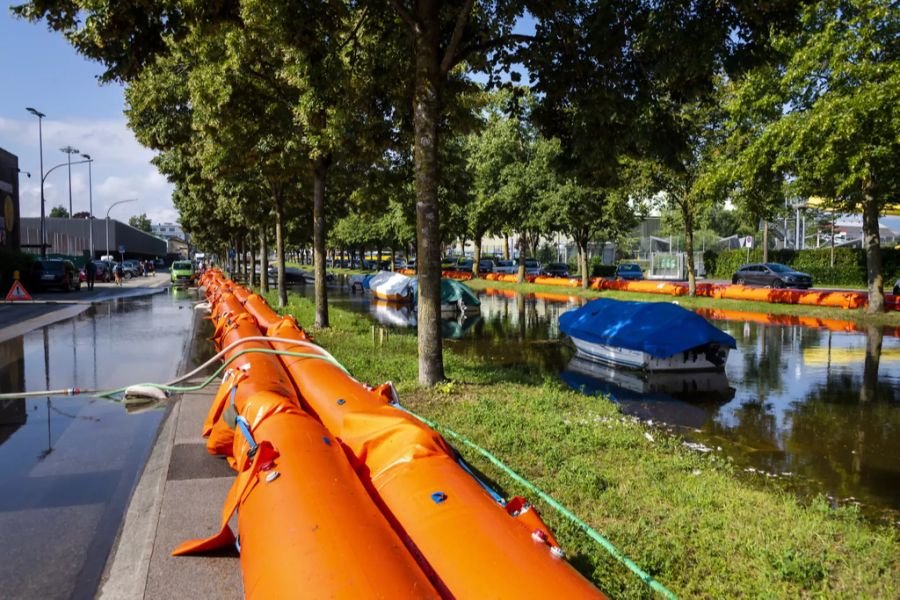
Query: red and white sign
[(17, 292)]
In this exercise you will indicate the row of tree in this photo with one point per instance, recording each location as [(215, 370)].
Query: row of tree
[(282, 116)]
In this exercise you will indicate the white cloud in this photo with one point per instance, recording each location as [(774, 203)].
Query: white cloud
[(121, 168)]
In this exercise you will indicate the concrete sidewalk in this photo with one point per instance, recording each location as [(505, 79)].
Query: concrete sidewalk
[(178, 497)]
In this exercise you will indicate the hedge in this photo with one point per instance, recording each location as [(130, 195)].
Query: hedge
[(849, 264)]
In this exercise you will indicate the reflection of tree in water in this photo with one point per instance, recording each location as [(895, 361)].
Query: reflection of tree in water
[(768, 352), (516, 330), (849, 442)]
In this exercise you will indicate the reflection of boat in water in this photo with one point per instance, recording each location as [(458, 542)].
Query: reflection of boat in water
[(392, 314), (672, 397), (454, 329), (653, 336)]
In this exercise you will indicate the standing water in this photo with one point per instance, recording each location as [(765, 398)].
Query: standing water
[(806, 408), (68, 464)]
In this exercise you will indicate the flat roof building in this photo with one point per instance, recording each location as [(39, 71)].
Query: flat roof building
[(71, 237)]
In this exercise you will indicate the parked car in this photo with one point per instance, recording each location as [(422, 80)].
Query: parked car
[(464, 264), (771, 275), (897, 288), (629, 271), (55, 274), (182, 272), (292, 275), (532, 267), (556, 270), (131, 268), (448, 263), (104, 270), (505, 266), (486, 265)]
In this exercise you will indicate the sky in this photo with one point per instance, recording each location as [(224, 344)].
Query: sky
[(40, 69)]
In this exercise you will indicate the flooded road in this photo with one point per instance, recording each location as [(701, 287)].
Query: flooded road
[(68, 465), (808, 406)]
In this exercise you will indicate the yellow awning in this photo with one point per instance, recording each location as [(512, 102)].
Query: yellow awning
[(890, 210)]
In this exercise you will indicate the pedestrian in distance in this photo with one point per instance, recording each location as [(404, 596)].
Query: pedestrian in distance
[(90, 273), (117, 273)]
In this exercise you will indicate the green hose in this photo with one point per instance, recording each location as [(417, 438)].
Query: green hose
[(591, 532)]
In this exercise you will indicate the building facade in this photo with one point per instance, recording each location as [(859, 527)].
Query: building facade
[(72, 237), (9, 200)]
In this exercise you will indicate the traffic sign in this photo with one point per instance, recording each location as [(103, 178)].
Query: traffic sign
[(17, 292), (121, 248)]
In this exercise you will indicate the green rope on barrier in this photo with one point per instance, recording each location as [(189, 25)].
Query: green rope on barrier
[(590, 531)]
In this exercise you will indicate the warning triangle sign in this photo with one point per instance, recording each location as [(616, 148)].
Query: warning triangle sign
[(17, 292)]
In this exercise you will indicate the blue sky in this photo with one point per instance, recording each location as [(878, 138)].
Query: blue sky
[(40, 69)]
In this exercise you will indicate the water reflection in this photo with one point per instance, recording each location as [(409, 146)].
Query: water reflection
[(687, 399), (68, 465), (812, 403)]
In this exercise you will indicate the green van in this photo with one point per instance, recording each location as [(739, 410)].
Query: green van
[(182, 272)]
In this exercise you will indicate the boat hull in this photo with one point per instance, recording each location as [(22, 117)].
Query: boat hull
[(711, 356)]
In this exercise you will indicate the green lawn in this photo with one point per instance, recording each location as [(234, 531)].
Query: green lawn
[(681, 515)]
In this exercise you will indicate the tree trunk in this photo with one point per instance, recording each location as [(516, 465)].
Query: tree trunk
[(583, 264), (534, 243), (505, 246), (476, 240), (319, 173), (765, 240), (521, 278), (872, 244), (252, 263), (427, 110), (689, 247), (263, 260), (279, 252)]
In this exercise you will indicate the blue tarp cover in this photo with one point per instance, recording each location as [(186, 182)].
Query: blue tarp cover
[(661, 329)]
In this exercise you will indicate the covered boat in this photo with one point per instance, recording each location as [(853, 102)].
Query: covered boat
[(455, 296), (653, 336), (392, 287)]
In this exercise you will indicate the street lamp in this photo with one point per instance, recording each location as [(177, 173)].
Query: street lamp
[(90, 204), (43, 179), (40, 117), (70, 151), (111, 206)]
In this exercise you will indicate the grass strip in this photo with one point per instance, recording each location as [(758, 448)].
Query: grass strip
[(684, 517)]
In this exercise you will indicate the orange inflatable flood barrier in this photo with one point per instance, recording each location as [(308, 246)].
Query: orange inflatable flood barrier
[(305, 520), (474, 546)]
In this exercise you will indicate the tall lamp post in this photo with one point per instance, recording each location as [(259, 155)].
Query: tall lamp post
[(111, 206), (70, 151), (90, 204), (40, 117)]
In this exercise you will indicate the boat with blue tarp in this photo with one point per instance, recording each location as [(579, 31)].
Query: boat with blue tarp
[(651, 336)]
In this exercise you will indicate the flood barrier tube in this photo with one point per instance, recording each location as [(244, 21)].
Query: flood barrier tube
[(305, 519), (476, 547)]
